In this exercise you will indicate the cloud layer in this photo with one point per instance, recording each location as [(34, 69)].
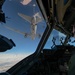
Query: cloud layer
[(8, 60)]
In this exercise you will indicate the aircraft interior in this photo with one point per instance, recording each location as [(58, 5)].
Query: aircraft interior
[(2, 14), (58, 15)]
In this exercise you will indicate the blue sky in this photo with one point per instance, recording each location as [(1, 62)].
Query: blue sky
[(11, 9), (24, 46)]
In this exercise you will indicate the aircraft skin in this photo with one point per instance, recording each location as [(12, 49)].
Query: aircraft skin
[(33, 31), (33, 22)]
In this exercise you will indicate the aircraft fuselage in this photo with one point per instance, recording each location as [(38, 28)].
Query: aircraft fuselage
[(33, 28)]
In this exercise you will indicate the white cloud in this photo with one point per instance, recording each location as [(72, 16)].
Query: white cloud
[(25, 2), (8, 60)]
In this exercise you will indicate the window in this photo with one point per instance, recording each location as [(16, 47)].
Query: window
[(56, 37), (16, 27)]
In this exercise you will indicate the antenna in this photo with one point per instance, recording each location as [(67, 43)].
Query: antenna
[(61, 40), (53, 40), (34, 5)]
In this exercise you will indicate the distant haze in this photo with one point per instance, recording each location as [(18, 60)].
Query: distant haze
[(9, 60)]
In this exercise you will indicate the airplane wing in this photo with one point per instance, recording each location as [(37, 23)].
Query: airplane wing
[(38, 20), (38, 17), (25, 17), (23, 33)]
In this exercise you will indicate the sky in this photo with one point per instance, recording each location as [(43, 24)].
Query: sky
[(57, 35), (11, 10), (24, 46)]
